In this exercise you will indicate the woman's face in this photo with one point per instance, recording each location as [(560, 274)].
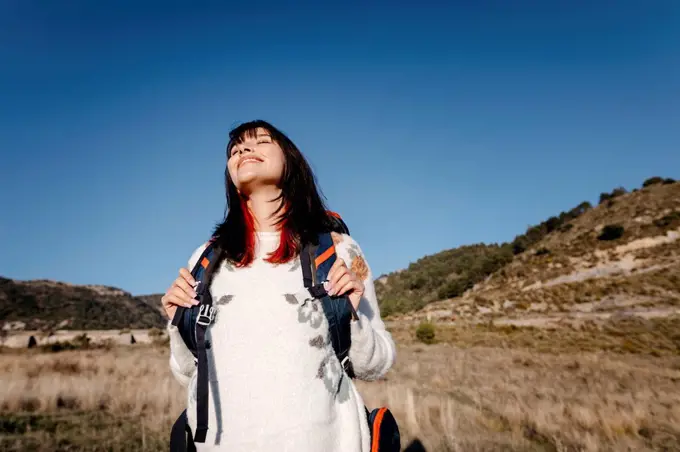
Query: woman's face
[(256, 162)]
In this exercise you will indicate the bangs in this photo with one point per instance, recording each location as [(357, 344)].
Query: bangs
[(249, 130)]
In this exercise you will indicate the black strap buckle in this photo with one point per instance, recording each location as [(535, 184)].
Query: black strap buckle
[(318, 291)]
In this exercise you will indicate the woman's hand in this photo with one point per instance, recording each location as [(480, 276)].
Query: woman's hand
[(180, 293), (342, 280)]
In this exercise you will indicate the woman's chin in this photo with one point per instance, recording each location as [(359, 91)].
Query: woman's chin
[(247, 178), (249, 185)]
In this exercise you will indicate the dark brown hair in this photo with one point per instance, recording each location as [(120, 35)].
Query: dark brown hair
[(302, 214)]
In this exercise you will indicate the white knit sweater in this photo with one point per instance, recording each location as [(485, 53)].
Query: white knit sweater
[(275, 383)]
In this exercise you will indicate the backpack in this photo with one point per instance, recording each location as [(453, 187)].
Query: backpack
[(192, 324)]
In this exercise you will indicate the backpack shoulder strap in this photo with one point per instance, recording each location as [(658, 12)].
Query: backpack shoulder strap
[(316, 261), (200, 273), (193, 324), (206, 314)]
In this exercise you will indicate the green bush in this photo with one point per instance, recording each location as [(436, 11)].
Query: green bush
[(552, 223), (652, 181), (455, 288), (656, 180), (426, 333), (620, 191), (611, 232), (519, 245)]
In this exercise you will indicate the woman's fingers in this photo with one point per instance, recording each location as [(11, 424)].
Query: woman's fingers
[(338, 269), (180, 293), (185, 286), (182, 296), (340, 286), (347, 288), (186, 274), (171, 301), (341, 281), (180, 300)]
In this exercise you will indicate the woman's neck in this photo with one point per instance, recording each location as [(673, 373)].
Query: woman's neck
[(263, 205)]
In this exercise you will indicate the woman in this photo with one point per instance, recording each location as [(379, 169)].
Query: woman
[(269, 373)]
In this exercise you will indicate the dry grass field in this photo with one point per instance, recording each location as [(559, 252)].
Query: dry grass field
[(566, 339), (477, 389)]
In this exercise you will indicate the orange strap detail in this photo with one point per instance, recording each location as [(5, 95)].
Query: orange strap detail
[(376, 429), (324, 256), (205, 262)]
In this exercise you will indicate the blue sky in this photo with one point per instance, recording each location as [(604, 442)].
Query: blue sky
[(428, 126)]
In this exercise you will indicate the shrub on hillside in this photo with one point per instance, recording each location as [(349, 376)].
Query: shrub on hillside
[(537, 232), (519, 245), (425, 333), (656, 180), (611, 232), (417, 281), (390, 305), (552, 223), (455, 288), (614, 194), (652, 181)]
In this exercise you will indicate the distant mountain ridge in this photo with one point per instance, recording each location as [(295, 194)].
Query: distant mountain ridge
[(51, 305), (624, 251)]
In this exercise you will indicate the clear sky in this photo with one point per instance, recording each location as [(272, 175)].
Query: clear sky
[(428, 126)]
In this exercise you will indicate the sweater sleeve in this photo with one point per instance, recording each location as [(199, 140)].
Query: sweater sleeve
[(182, 363), (373, 351)]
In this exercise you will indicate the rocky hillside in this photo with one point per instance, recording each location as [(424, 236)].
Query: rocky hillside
[(50, 305), (451, 273), (620, 257), (154, 301)]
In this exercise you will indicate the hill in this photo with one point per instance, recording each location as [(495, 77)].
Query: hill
[(153, 300), (451, 273), (49, 305), (621, 256), (623, 253)]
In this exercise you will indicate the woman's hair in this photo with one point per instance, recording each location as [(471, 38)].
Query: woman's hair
[(301, 212)]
